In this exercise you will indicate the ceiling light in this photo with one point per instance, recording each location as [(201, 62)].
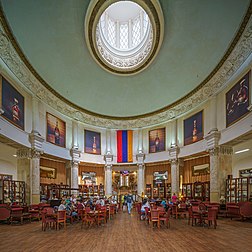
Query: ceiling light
[(240, 151), (15, 155)]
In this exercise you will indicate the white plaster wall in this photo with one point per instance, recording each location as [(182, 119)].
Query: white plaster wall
[(8, 163)]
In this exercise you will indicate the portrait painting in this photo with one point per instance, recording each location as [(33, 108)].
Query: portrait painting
[(92, 142), (238, 100), (193, 128), (11, 104), (157, 140), (56, 130)]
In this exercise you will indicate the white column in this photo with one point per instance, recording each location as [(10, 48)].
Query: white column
[(108, 174), (74, 170), (173, 153), (212, 115), (108, 180), (108, 141), (35, 171), (75, 129), (140, 141), (141, 174), (36, 150), (175, 176), (174, 135), (35, 115)]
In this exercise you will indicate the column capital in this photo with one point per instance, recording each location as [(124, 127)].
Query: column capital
[(108, 167), (140, 157), (174, 161), (108, 159), (35, 153), (36, 140), (23, 153)]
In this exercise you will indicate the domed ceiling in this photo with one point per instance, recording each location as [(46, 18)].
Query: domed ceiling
[(51, 35)]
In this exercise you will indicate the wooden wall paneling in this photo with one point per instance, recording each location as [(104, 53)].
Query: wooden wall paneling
[(99, 169), (60, 167), (188, 166)]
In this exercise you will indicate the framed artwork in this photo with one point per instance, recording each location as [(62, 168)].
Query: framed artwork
[(201, 169), (157, 140), (12, 104), (245, 173), (92, 142), (238, 100), (56, 130), (193, 128), (47, 172)]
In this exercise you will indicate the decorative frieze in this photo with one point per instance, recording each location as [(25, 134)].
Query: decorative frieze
[(213, 85)]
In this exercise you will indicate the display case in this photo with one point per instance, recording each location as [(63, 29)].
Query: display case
[(148, 191), (155, 192), (54, 191), (238, 189), (12, 191), (168, 193), (201, 191), (187, 190), (161, 191)]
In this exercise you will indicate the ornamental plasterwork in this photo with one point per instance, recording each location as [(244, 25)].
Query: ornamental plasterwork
[(120, 62), (217, 82)]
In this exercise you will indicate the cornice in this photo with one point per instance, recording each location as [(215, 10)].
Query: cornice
[(16, 61)]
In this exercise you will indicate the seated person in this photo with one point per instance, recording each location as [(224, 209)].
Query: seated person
[(145, 204), (62, 206)]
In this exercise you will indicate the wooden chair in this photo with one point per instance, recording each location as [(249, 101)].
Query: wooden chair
[(193, 215), (101, 217), (46, 220), (154, 217), (165, 218), (35, 211), (211, 216), (61, 218), (147, 215)]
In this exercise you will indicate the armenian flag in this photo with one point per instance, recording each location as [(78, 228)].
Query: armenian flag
[(124, 146)]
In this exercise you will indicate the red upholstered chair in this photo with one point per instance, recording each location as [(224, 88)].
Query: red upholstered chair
[(5, 212), (154, 217), (246, 210), (16, 215)]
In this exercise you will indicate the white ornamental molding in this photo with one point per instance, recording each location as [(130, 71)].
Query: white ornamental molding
[(214, 85), (75, 154)]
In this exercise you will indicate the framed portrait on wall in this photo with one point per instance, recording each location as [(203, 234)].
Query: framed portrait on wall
[(11, 104), (157, 140), (193, 128), (56, 130), (92, 142), (238, 100)]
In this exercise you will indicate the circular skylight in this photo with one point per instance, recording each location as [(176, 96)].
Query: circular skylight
[(122, 36)]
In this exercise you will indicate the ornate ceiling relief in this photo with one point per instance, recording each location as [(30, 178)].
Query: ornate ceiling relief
[(12, 56)]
